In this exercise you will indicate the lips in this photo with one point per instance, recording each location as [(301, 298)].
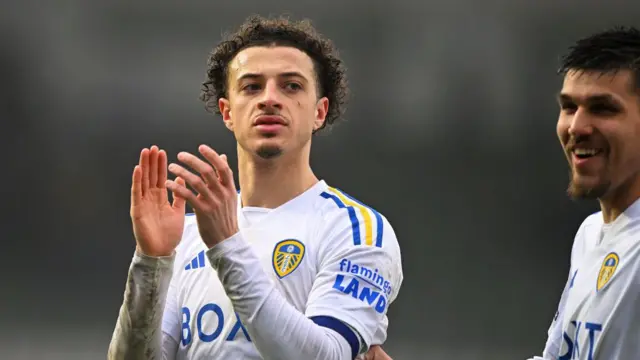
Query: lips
[(585, 152), (269, 125), (586, 157), (269, 120)]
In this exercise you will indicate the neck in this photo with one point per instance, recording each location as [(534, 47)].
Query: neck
[(614, 204), (269, 183)]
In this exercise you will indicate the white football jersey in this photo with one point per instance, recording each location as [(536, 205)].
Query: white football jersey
[(599, 312), (321, 269)]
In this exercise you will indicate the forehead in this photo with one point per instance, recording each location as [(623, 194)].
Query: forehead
[(585, 84), (271, 61)]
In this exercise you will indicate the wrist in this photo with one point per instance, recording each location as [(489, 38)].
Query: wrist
[(212, 243), (141, 259), (153, 254), (233, 244)]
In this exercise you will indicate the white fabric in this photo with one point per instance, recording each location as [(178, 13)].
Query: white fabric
[(599, 319), (348, 267), (260, 306)]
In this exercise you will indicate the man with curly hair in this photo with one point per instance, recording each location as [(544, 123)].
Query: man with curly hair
[(287, 268), (598, 316)]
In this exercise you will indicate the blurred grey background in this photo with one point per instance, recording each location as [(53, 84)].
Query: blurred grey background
[(450, 133)]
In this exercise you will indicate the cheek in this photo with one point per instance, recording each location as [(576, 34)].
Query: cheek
[(305, 116), (562, 130), (629, 151), (240, 114)]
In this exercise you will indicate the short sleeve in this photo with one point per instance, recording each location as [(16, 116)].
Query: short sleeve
[(357, 278)]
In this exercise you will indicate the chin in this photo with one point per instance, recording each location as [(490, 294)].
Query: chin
[(580, 188), (269, 151)]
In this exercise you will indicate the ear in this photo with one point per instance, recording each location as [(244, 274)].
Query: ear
[(225, 110), (321, 113)]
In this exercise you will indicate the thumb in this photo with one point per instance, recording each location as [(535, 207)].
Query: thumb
[(178, 201)]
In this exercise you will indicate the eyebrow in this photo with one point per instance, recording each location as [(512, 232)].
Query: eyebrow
[(248, 76), (562, 98), (287, 74)]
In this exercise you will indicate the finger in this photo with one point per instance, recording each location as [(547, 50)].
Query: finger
[(153, 166), (136, 186), (223, 157), (379, 354), (162, 169), (371, 354), (222, 167), (226, 161), (206, 171), (179, 202), (181, 191), (144, 167), (193, 180)]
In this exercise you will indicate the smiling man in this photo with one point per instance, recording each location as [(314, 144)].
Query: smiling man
[(289, 267), (599, 129)]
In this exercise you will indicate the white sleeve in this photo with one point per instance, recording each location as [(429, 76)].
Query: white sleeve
[(169, 347), (138, 329), (554, 334), (358, 278), (172, 316), (278, 330)]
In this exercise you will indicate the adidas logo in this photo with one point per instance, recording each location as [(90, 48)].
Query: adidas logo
[(197, 262)]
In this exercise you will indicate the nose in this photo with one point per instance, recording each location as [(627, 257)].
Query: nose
[(581, 123), (270, 97)]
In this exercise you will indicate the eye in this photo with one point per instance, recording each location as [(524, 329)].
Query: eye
[(603, 109), (293, 86), (251, 87), (568, 107)]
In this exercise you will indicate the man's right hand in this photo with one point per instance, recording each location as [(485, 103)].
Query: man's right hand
[(157, 224)]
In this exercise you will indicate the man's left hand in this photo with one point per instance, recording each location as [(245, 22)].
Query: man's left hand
[(216, 201), (375, 353)]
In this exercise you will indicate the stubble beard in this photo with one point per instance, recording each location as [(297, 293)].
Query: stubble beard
[(578, 191)]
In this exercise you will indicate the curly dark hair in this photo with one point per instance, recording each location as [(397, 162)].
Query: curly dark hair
[(259, 31), (611, 50)]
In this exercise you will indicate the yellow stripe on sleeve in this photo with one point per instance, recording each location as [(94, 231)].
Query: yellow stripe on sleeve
[(368, 227)]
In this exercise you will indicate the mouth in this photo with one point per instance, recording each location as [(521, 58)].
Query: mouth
[(582, 156), (586, 153), (269, 125), (269, 120)]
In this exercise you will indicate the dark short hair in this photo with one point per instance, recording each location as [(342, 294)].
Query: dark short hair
[(611, 50), (259, 31)]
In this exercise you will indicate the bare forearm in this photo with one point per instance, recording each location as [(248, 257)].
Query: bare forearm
[(138, 333)]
